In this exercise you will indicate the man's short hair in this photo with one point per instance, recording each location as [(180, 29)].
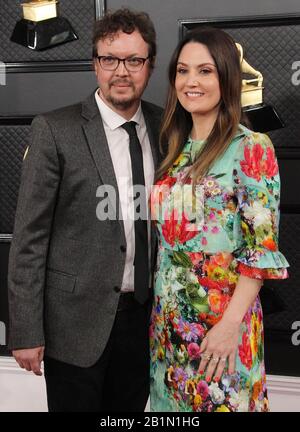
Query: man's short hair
[(127, 21)]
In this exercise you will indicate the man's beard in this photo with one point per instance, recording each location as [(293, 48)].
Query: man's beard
[(121, 104)]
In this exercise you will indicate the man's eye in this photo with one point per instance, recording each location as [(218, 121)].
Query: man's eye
[(108, 60), (135, 61)]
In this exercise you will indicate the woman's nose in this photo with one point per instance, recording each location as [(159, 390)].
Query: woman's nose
[(193, 81)]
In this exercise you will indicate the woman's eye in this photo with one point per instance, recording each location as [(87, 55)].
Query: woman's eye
[(205, 71), (181, 71)]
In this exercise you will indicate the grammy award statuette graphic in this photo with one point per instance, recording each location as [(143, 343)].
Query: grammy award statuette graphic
[(41, 27), (263, 117)]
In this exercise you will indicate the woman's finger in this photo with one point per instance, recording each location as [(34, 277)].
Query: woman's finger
[(220, 368), (203, 345), (231, 364), (211, 367), (205, 357)]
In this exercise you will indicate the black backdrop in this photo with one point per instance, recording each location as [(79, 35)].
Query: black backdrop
[(282, 350)]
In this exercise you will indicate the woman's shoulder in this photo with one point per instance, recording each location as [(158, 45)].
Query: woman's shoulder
[(247, 138), (254, 156)]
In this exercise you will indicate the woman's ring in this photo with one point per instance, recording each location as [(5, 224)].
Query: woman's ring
[(206, 356)]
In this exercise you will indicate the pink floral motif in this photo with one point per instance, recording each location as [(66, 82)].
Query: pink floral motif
[(218, 302), (175, 231), (271, 165), (245, 352), (222, 259), (255, 166), (196, 257), (195, 280), (203, 390), (193, 351)]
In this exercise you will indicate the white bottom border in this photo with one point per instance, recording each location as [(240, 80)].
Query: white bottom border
[(23, 391)]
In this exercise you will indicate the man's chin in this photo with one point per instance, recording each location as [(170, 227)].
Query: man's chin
[(122, 104)]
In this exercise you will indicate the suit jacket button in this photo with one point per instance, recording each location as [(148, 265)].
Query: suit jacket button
[(123, 248), (117, 289)]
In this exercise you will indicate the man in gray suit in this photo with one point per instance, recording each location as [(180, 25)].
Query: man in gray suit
[(80, 268)]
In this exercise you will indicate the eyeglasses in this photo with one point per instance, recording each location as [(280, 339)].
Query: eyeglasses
[(132, 64)]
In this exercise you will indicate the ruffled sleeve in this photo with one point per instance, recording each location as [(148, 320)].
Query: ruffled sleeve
[(257, 189)]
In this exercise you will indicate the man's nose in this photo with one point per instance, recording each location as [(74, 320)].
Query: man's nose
[(121, 69)]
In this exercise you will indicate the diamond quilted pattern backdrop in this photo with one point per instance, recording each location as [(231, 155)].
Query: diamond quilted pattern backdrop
[(289, 289), (281, 344), (271, 49), (4, 250), (13, 141)]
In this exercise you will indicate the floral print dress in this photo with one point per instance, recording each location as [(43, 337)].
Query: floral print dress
[(199, 261)]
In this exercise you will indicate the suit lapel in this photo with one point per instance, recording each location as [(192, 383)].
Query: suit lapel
[(98, 145)]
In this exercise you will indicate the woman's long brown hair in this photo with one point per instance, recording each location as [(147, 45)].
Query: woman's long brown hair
[(177, 122)]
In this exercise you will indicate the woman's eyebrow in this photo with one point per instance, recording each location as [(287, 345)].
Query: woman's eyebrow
[(201, 64)]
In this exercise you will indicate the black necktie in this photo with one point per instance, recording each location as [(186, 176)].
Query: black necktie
[(141, 262)]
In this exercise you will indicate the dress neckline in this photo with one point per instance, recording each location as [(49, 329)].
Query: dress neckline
[(194, 146), (190, 139)]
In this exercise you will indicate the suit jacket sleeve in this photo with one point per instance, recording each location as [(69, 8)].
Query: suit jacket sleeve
[(28, 253)]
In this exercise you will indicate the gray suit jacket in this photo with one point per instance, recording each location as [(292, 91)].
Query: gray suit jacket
[(66, 266)]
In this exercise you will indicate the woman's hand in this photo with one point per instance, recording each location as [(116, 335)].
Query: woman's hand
[(219, 347)]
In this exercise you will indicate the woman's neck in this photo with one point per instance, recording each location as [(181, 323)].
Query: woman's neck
[(202, 125)]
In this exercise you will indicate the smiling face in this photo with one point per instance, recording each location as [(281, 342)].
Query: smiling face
[(121, 89), (197, 81)]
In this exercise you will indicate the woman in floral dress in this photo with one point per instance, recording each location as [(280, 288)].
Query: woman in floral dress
[(215, 205)]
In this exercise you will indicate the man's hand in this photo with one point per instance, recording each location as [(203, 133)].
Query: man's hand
[(30, 359)]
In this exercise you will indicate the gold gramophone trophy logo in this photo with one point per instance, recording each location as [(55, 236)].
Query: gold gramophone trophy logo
[(39, 10), (263, 117), (42, 27)]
